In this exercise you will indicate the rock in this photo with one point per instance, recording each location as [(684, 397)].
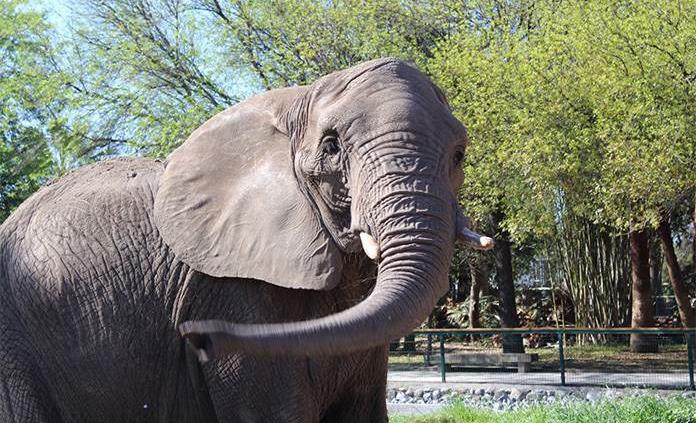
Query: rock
[(577, 395), (401, 397), (518, 394), (612, 394), (593, 395), (533, 396), (689, 394), (500, 395), (515, 398)]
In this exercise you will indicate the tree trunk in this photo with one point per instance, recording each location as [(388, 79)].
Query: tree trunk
[(642, 309), (410, 343), (693, 246), (506, 287), (681, 292), (479, 278), (656, 277), (463, 282)]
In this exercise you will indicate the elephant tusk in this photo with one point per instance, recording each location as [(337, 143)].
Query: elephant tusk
[(369, 245), (469, 237), (475, 240), (486, 242)]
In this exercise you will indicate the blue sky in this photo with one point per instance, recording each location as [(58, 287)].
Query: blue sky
[(57, 12)]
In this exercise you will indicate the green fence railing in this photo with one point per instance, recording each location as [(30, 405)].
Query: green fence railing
[(561, 333)]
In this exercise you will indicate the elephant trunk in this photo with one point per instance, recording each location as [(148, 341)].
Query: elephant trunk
[(415, 239)]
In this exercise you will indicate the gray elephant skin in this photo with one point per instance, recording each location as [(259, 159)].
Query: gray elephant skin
[(255, 276)]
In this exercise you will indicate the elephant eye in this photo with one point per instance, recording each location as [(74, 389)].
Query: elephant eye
[(458, 157), (330, 145)]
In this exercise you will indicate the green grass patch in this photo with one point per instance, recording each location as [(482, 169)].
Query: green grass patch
[(414, 359), (643, 409)]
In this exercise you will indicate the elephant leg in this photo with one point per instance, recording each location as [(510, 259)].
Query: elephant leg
[(23, 397), (256, 390), (365, 406), (365, 399)]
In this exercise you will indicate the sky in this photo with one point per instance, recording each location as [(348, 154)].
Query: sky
[(57, 12)]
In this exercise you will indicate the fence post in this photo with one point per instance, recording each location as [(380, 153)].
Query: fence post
[(429, 349), (442, 358), (561, 357), (690, 357)]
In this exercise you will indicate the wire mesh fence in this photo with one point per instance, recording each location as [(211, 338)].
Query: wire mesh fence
[(552, 356)]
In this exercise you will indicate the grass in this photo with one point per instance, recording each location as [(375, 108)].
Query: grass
[(643, 409)]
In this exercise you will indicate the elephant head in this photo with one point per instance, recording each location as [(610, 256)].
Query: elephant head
[(279, 188)]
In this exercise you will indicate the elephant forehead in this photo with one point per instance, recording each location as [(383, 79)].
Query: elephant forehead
[(369, 114)]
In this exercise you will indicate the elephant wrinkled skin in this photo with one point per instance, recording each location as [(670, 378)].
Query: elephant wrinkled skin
[(255, 276)]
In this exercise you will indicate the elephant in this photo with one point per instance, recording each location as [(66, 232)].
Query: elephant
[(256, 275)]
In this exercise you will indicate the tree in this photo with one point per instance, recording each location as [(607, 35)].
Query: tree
[(681, 291), (478, 67), (295, 42), (147, 72), (643, 307), (575, 111), (33, 129), (633, 73)]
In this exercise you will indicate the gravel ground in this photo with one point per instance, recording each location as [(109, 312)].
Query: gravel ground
[(503, 399)]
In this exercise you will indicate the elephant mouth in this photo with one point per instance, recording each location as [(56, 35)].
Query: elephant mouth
[(335, 216)]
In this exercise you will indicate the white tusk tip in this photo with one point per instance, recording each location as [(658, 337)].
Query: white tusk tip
[(369, 245), (486, 243)]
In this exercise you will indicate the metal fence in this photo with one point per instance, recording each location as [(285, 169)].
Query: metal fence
[(569, 356)]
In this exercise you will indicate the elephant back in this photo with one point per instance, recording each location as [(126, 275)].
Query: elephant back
[(82, 226)]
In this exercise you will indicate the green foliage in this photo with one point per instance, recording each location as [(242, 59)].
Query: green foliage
[(586, 108), (146, 72), (295, 42), (458, 314), (483, 71), (630, 69), (30, 91), (642, 409)]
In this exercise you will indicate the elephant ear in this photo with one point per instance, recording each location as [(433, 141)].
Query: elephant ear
[(229, 204)]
